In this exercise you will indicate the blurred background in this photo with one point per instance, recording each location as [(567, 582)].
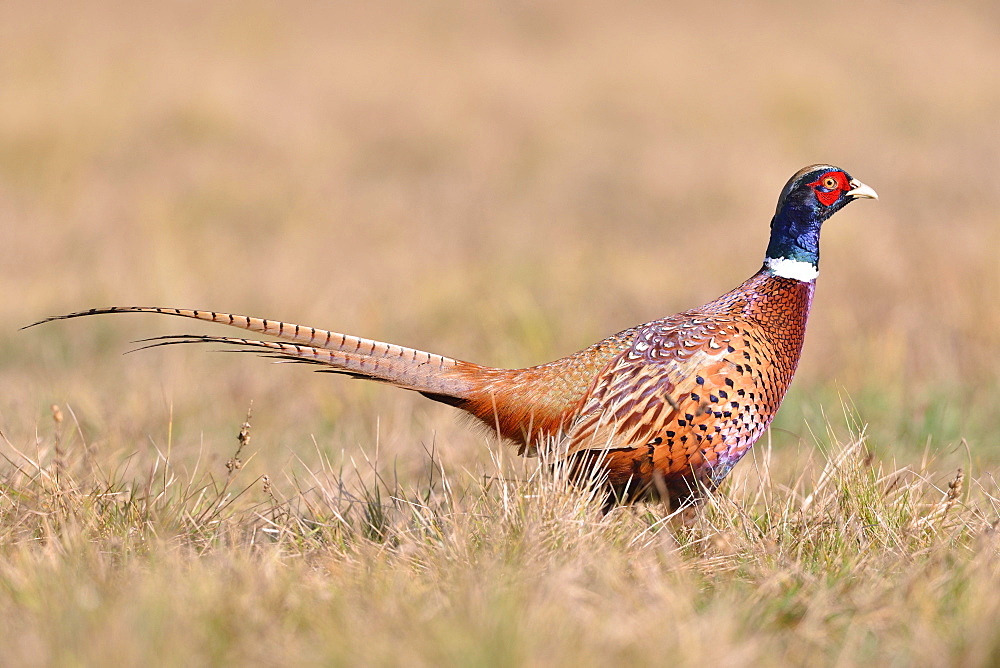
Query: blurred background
[(500, 182)]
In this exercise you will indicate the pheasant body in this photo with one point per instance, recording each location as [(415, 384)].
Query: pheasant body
[(666, 408)]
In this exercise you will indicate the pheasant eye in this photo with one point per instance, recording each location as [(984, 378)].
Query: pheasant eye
[(830, 183)]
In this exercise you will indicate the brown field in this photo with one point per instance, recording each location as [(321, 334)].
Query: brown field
[(506, 184)]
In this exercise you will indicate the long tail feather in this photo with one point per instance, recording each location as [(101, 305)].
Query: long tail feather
[(287, 331), (439, 377)]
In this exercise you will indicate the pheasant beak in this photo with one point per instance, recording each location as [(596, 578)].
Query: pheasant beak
[(861, 191)]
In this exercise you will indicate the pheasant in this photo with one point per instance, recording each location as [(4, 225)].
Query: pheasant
[(664, 409)]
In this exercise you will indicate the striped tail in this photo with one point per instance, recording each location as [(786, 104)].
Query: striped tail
[(435, 376)]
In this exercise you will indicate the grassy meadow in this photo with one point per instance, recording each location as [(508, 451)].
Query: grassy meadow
[(503, 183)]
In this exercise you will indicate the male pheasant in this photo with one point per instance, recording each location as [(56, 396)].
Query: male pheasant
[(666, 408)]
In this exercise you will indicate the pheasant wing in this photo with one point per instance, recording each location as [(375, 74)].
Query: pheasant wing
[(683, 394)]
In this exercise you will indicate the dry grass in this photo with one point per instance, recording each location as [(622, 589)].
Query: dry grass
[(505, 184), (850, 562)]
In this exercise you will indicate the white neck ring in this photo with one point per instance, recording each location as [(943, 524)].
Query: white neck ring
[(794, 269)]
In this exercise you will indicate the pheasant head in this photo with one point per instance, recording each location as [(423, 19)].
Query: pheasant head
[(806, 202)]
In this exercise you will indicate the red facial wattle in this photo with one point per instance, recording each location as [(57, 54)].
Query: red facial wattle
[(830, 187)]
